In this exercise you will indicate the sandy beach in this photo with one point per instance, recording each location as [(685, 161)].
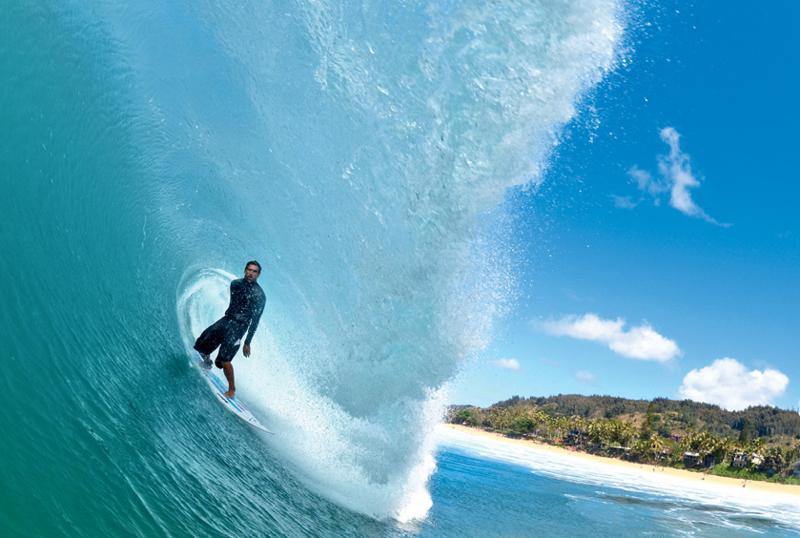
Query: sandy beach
[(782, 489)]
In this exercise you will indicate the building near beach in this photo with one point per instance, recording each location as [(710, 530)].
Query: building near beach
[(739, 460), (691, 459)]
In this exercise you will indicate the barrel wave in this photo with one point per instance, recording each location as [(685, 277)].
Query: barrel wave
[(358, 150)]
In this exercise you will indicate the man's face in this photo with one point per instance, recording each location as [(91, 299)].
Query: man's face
[(251, 273)]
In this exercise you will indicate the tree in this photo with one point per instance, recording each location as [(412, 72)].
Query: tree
[(650, 422), (655, 446), (466, 416), (774, 461), (747, 432)]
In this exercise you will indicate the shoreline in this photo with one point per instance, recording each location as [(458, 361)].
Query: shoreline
[(649, 469)]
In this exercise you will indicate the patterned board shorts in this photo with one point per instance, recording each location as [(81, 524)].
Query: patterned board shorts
[(225, 334)]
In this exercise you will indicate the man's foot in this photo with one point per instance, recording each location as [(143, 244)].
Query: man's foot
[(230, 393), (205, 361)]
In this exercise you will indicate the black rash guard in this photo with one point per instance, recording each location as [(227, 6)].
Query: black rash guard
[(247, 304)]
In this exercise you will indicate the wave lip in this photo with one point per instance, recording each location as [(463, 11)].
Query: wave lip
[(371, 163)]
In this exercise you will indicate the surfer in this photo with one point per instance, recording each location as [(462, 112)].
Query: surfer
[(247, 304)]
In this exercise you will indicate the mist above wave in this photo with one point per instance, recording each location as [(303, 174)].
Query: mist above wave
[(361, 148)]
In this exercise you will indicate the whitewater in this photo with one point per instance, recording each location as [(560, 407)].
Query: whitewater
[(362, 152), (368, 161)]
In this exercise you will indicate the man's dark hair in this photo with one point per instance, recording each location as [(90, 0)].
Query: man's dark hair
[(253, 262)]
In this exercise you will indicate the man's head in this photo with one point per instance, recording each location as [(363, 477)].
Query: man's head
[(252, 271)]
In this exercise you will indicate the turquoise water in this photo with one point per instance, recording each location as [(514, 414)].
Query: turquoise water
[(358, 152), (486, 487), (484, 497)]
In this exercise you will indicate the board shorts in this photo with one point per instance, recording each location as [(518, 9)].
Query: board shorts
[(225, 334)]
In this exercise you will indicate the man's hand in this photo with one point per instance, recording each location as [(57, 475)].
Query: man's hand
[(246, 350)]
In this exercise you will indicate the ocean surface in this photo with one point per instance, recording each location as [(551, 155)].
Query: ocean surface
[(361, 152), (488, 487)]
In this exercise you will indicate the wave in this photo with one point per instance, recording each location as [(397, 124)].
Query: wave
[(732, 505), (361, 152), (368, 161)]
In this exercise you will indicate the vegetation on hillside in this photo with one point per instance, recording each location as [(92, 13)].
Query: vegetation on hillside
[(757, 443)]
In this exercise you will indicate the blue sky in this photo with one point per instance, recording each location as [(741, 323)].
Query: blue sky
[(705, 276)]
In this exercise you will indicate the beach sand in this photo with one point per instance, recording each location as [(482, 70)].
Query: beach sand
[(782, 489)]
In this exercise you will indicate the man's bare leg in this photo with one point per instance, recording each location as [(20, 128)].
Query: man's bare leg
[(227, 367)]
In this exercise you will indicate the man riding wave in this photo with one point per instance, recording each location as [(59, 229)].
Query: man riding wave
[(242, 316)]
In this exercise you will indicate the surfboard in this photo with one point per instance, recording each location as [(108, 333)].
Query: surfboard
[(218, 387)]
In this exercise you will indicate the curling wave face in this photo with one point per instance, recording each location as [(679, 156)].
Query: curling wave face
[(357, 150), (360, 162), (370, 157)]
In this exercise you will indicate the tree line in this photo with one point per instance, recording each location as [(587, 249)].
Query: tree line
[(757, 443)]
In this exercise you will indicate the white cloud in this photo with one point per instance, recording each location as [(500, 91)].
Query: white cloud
[(585, 376), (646, 183), (677, 168), (508, 364), (641, 342), (727, 383), (677, 178)]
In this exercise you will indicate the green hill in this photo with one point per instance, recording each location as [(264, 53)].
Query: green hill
[(760, 442), (678, 415)]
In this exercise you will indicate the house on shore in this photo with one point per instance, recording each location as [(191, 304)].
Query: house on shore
[(619, 451), (740, 460), (576, 438), (692, 459)]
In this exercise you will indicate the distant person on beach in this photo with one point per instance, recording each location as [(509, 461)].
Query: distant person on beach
[(247, 304)]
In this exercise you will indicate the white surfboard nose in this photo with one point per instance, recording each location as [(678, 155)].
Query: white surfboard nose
[(235, 406)]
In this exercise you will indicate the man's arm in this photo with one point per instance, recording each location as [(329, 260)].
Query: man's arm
[(253, 326), (233, 299)]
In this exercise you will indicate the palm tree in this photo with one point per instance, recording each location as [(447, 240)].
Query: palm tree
[(598, 432), (774, 460), (756, 446), (655, 445), (722, 447)]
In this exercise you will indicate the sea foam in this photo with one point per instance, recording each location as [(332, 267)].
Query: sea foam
[(752, 501), (368, 159)]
